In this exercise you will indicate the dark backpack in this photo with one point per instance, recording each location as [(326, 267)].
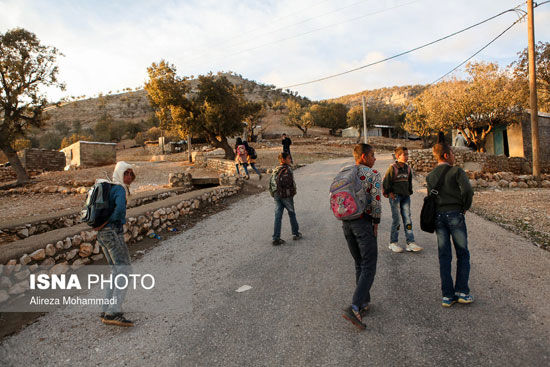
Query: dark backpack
[(252, 153), (429, 208), (285, 183), (97, 209)]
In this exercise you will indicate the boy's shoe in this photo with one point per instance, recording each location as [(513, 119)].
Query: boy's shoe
[(464, 298), (297, 236), (117, 319), (278, 242), (102, 316), (354, 317), (413, 247), (448, 301), (363, 311), (395, 247)]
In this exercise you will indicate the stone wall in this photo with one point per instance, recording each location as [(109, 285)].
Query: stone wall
[(83, 154), (73, 252), (423, 161), (544, 137), (42, 159), (21, 231), (8, 174), (181, 179), (222, 165)]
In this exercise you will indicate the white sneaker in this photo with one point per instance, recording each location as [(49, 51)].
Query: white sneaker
[(395, 247), (413, 247)]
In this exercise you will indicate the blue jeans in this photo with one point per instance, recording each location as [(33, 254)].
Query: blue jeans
[(280, 205), (401, 209), (253, 165), (245, 167), (452, 224), (116, 252), (364, 250)]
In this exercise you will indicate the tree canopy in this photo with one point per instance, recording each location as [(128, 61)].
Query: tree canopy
[(487, 98), (329, 115), (26, 68), (298, 115), (215, 109), (542, 66)]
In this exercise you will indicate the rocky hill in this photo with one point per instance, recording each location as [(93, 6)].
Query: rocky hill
[(398, 95), (134, 107)]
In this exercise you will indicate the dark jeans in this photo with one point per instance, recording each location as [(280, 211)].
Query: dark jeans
[(280, 205), (452, 224), (116, 252), (401, 210), (364, 250)]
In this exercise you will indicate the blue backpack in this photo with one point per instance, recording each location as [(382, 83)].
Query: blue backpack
[(97, 210)]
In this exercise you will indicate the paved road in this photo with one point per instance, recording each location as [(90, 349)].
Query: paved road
[(292, 315)]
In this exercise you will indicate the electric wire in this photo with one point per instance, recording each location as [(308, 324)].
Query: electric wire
[(223, 42), (316, 30), (402, 53)]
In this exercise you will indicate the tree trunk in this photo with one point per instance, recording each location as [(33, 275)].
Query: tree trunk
[(229, 153), (13, 158), (223, 143)]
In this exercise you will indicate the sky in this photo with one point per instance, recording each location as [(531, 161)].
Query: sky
[(108, 44)]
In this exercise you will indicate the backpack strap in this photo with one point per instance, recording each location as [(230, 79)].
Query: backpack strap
[(439, 184)]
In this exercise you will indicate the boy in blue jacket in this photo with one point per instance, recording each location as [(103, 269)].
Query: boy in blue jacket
[(111, 238)]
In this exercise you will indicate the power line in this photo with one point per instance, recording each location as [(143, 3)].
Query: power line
[(318, 29), (472, 56), (481, 49), (307, 20), (403, 53), (223, 42)]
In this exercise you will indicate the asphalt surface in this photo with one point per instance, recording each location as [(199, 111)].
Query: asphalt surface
[(292, 314)]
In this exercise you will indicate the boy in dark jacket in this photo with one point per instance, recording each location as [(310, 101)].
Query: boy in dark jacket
[(397, 186), (453, 199), (283, 188)]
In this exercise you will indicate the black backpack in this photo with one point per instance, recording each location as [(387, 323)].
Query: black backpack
[(285, 183), (251, 152), (97, 209), (428, 213)]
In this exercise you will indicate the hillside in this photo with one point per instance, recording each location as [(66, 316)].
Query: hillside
[(398, 95), (134, 107)]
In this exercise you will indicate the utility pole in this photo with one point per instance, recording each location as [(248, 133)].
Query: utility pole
[(533, 89), (189, 147), (365, 132)]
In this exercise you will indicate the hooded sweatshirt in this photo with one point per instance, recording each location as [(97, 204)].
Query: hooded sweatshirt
[(118, 195)]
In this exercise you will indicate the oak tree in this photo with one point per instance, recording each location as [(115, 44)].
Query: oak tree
[(26, 68)]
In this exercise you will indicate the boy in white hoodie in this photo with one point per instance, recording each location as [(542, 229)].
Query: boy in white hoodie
[(111, 238)]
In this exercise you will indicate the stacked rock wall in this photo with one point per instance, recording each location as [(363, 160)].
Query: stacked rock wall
[(81, 249), (423, 161), (42, 159), (222, 165), (14, 233)]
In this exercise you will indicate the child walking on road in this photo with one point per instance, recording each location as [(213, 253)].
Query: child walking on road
[(453, 199), (398, 187), (361, 235), (110, 236), (282, 188)]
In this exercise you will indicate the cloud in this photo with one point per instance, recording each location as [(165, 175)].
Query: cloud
[(109, 45)]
